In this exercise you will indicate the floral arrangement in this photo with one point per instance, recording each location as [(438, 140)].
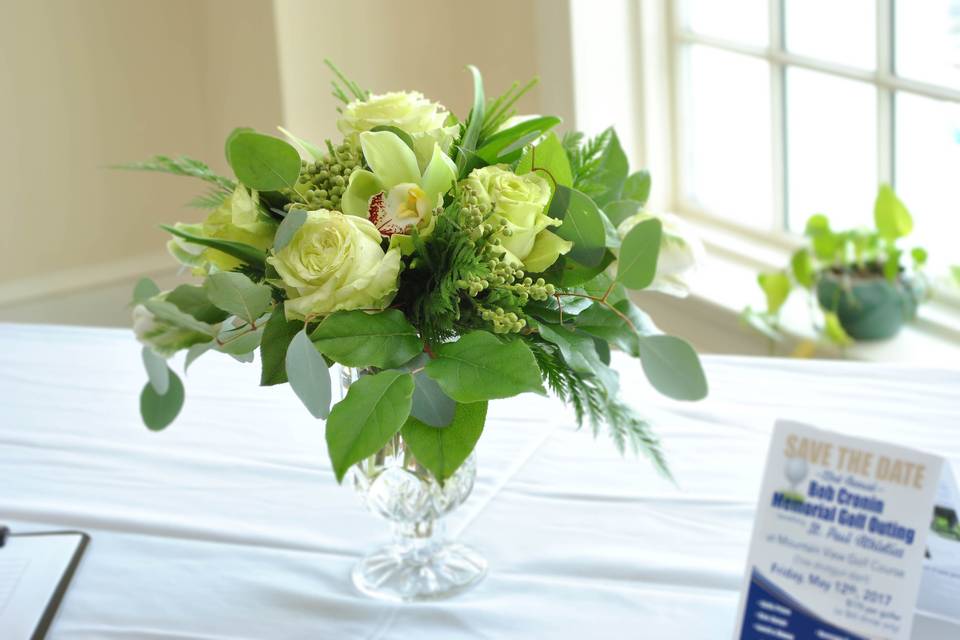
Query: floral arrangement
[(453, 262), (858, 278)]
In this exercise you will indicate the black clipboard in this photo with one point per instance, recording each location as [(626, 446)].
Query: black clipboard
[(43, 625)]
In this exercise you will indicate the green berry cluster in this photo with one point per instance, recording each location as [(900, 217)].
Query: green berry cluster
[(321, 184), (503, 321)]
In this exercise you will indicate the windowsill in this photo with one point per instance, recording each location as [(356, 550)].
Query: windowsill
[(728, 283)]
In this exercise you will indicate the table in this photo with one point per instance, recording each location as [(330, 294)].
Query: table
[(229, 524)]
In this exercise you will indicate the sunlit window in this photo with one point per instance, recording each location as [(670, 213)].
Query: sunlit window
[(786, 108)]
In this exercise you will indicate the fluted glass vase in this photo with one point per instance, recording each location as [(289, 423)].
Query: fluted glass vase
[(420, 563)]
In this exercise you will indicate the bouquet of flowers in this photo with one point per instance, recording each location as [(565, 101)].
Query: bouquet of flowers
[(451, 262)]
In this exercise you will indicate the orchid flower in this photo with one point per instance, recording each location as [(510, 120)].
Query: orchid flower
[(394, 195)]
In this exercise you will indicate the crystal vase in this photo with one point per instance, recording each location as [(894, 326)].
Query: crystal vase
[(420, 563)]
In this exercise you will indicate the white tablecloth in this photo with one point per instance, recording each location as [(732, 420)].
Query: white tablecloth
[(229, 524)]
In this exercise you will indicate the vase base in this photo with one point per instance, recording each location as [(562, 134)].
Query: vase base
[(393, 573)]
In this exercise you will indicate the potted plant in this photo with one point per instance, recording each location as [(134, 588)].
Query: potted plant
[(857, 277)]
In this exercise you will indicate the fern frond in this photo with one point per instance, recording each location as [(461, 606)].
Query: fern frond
[(181, 166), (338, 91), (592, 403), (499, 110)]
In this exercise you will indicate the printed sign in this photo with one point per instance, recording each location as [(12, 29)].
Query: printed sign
[(840, 543)]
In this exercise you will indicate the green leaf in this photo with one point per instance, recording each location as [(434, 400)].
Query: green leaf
[(360, 339), (195, 352), (619, 210), (549, 159), (144, 290), (159, 410), (919, 255), (891, 215), (834, 330), (891, 266), (602, 285), (263, 162), (291, 223), (372, 412), (672, 367), (582, 225), (430, 404), (803, 270), (637, 187), (577, 347), (193, 300), (240, 343), (157, 370), (569, 273), (233, 134), (468, 144), (505, 147), (309, 375), (612, 169), (608, 324), (637, 265), (240, 251), (238, 294), (273, 347), (312, 150), (171, 313), (442, 451), (478, 367), (776, 287)]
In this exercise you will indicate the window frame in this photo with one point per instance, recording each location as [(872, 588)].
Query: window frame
[(668, 13)]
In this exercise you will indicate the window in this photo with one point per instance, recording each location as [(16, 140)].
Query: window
[(786, 108)]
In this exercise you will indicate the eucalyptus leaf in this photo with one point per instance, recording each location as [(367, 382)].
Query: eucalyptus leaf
[(359, 339), (611, 324), (374, 409), (637, 187), (312, 150), (567, 272), (238, 294), (309, 375), (672, 367), (144, 290), (240, 251), (581, 224), (192, 299), (442, 451), (157, 370), (240, 343), (263, 162), (291, 223), (619, 210), (159, 410), (169, 312), (637, 264), (277, 335), (577, 347), (479, 366), (430, 404), (195, 352)]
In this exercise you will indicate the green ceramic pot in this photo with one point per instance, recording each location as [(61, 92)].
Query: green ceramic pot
[(869, 307)]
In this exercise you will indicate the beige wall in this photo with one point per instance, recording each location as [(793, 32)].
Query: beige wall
[(425, 45), (87, 84)]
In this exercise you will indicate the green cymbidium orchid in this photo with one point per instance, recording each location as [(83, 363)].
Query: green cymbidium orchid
[(395, 196)]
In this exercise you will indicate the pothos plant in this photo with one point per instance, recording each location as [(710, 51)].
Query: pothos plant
[(859, 279), (453, 262)]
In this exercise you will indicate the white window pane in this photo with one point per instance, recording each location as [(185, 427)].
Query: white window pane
[(928, 41), (744, 21), (844, 32), (726, 135), (928, 172), (831, 149)]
